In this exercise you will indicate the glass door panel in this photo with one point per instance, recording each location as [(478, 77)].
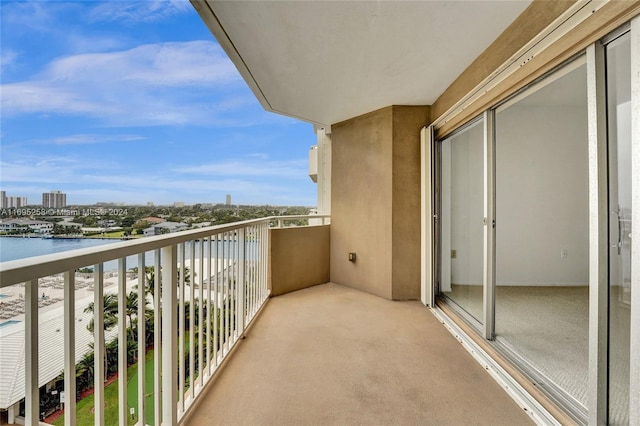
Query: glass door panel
[(461, 205), (542, 232), (618, 60)]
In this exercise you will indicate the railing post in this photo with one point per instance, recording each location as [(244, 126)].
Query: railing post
[(192, 319), (157, 352), (32, 397), (169, 336), (280, 223), (99, 344), (123, 411), (69, 348), (181, 258), (240, 283), (200, 313), (142, 337)]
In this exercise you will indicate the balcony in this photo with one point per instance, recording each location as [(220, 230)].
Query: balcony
[(330, 354), (324, 354)]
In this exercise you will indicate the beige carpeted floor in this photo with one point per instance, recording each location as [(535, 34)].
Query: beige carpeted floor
[(549, 328), (331, 355)]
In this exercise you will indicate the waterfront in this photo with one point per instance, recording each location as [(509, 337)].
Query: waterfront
[(12, 248)]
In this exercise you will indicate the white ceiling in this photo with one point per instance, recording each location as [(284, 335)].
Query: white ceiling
[(327, 61)]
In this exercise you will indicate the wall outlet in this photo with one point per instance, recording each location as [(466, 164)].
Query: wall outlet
[(454, 254), (564, 254), (352, 257)]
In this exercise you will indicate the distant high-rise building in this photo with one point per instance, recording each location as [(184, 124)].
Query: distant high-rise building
[(150, 204), (228, 199), (3, 200), (178, 204), (15, 202), (54, 199)]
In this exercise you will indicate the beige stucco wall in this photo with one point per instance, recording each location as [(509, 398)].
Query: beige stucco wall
[(407, 122), (375, 201), (299, 258)]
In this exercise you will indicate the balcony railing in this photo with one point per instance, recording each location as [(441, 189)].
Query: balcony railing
[(204, 287)]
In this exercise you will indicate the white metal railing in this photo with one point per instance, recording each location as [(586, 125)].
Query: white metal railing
[(204, 287)]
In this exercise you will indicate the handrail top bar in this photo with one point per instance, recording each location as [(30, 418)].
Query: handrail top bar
[(22, 270)]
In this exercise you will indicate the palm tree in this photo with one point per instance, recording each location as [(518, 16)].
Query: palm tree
[(110, 309)]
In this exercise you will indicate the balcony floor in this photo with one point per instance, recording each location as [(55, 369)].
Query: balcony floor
[(333, 355)]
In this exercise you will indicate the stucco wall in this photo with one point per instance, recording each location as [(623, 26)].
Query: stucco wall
[(375, 201), (299, 258), (407, 122)]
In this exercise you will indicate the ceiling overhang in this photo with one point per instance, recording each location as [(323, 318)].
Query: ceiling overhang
[(328, 61)]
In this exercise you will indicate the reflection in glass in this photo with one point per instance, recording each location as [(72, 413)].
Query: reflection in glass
[(542, 232), (619, 117), (462, 215)]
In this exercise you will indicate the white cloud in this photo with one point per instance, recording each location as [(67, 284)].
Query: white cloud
[(155, 84), (139, 11), (7, 58), (199, 63), (84, 139), (255, 166)]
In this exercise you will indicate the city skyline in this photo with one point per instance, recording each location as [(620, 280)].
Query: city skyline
[(136, 102)]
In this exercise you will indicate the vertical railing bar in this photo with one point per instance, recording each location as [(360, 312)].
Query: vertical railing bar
[(216, 323), (31, 329), (99, 344), (233, 285), (142, 341), (248, 288), (69, 348), (122, 341), (227, 302), (239, 298), (251, 271), (259, 263), (236, 285), (157, 336), (207, 319), (192, 318), (169, 336), (265, 263), (241, 277), (181, 326), (200, 313), (256, 254)]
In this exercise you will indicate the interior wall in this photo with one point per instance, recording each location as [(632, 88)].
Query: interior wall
[(542, 196), (375, 201)]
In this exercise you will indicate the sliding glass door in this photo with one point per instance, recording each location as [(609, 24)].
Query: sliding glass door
[(618, 65), (461, 204), (542, 232), (535, 236)]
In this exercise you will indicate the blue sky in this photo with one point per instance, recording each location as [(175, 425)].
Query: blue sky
[(133, 102)]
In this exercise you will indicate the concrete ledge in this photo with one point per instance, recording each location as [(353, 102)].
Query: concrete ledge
[(299, 258)]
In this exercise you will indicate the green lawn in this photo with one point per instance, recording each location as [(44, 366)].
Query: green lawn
[(132, 391), (114, 234), (84, 407)]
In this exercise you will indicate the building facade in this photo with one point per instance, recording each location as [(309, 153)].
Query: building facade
[(54, 199)]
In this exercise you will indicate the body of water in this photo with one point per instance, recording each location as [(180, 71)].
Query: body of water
[(20, 248)]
